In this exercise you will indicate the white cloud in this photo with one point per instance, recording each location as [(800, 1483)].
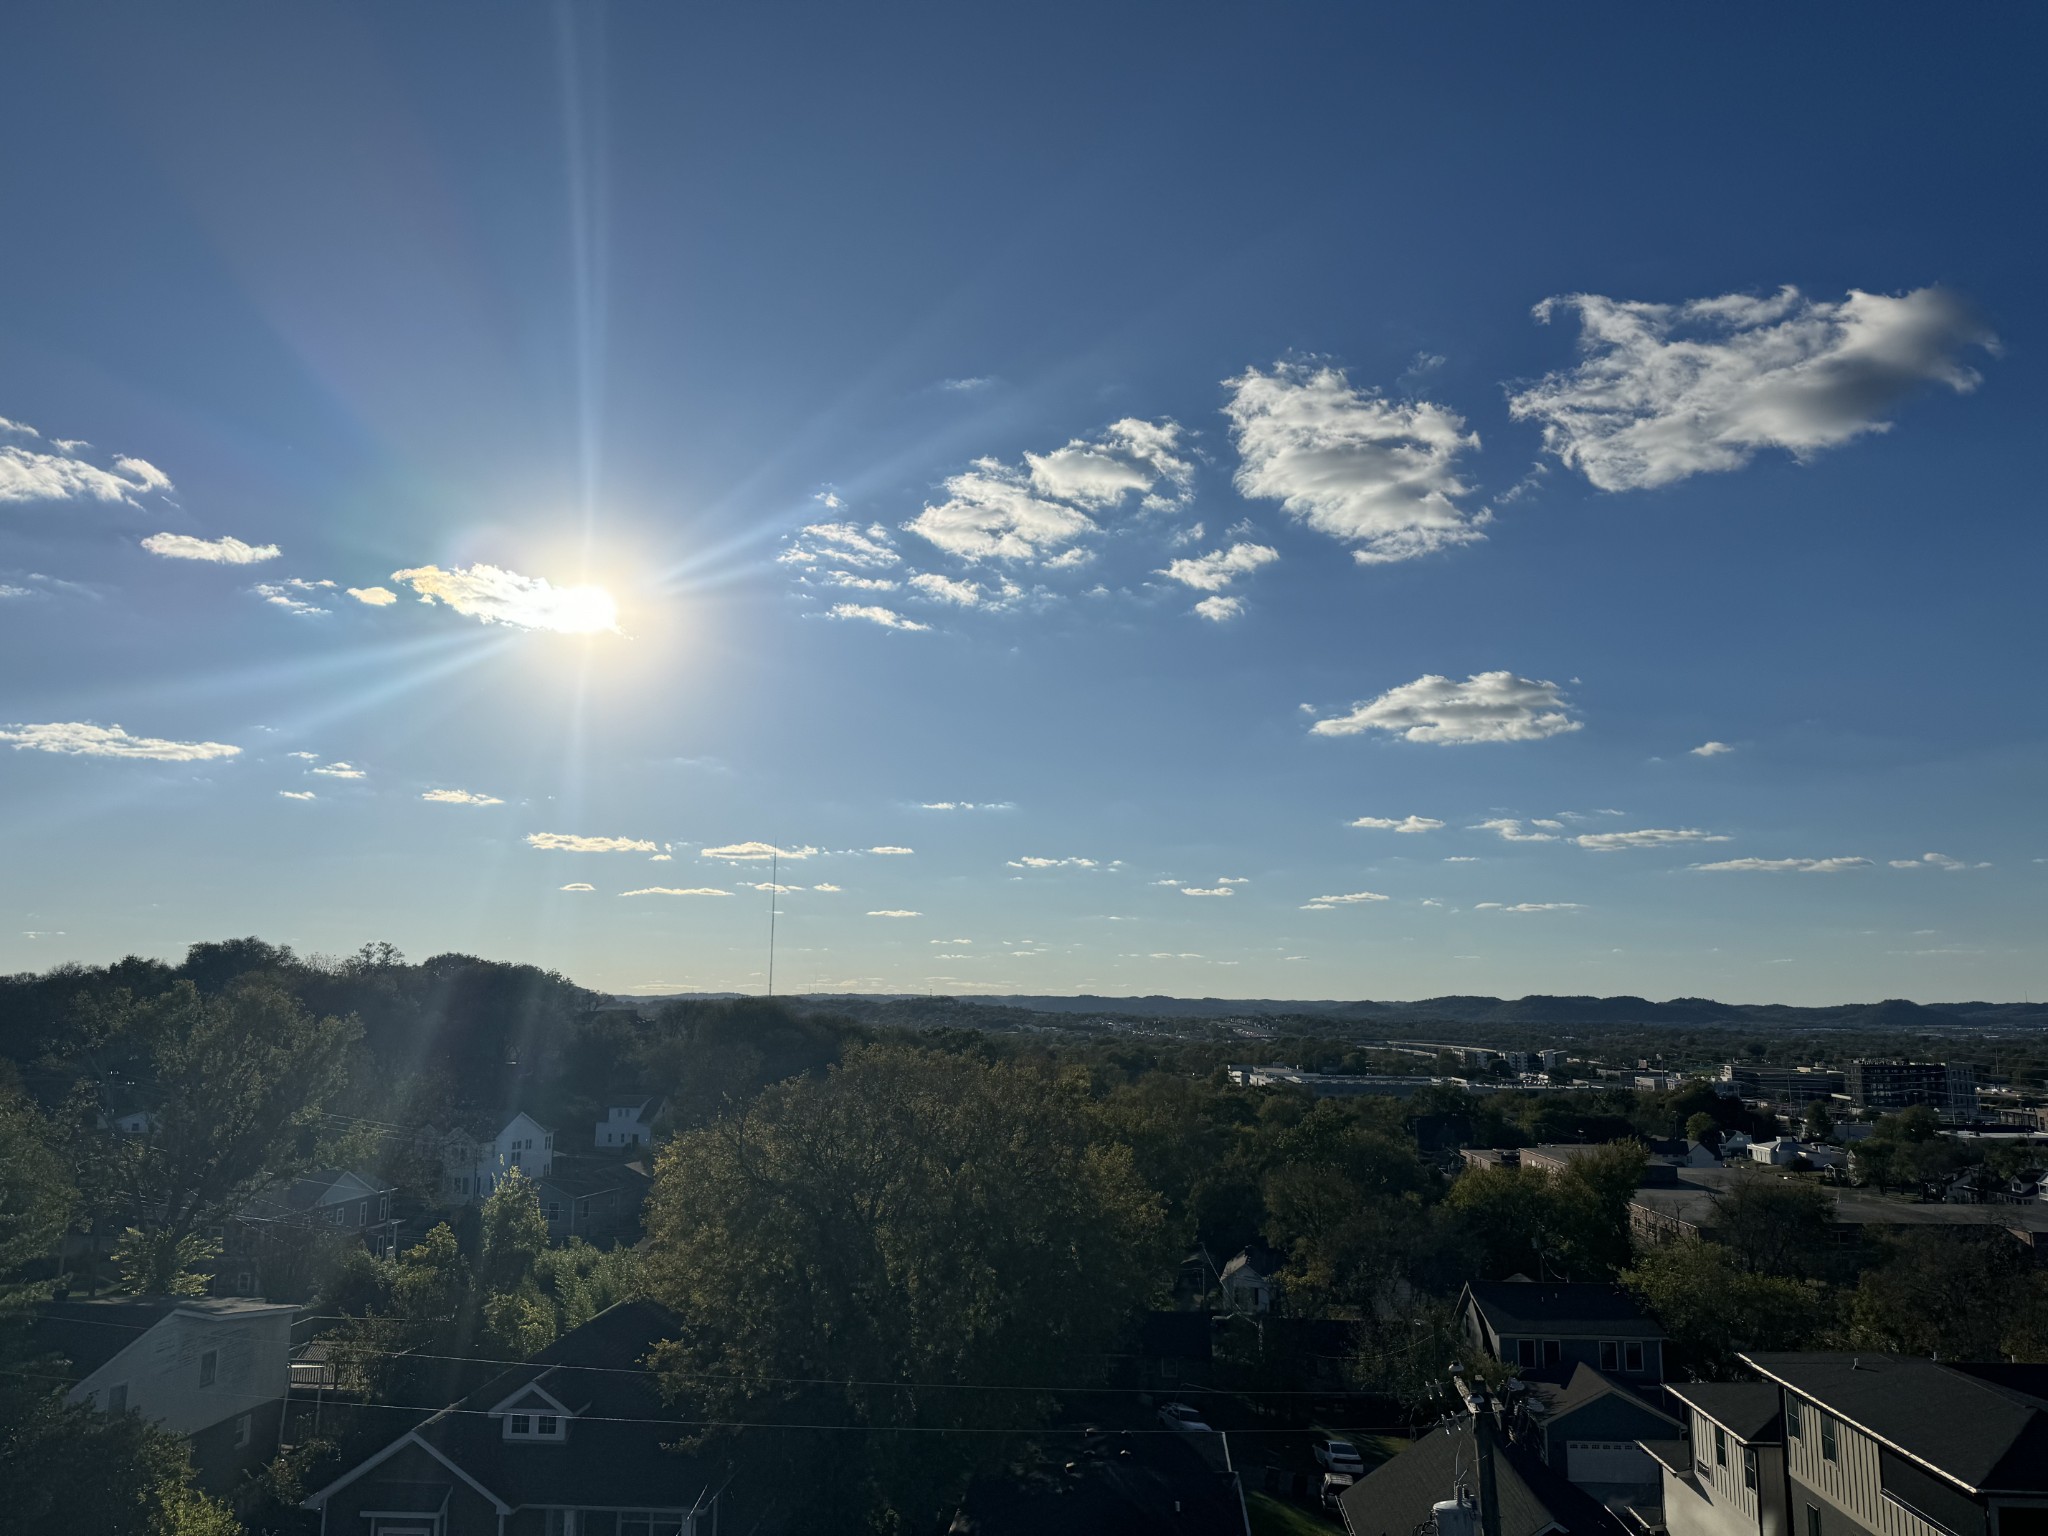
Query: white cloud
[(661, 858), (498, 596), (1410, 824), (831, 889), (1711, 749), (969, 805), (1372, 472), (1511, 831), (1351, 899), (1644, 837), (891, 848), (677, 890), (1233, 879), (895, 912), (859, 583), (1219, 890), (1031, 862), (340, 771), (569, 842), (949, 941), (873, 613), (579, 885), (1934, 861), (1037, 512), (755, 851), (28, 474), (459, 797), (1799, 866), (1488, 706), (1220, 567), (1461, 858), (77, 739), (1666, 391), (143, 473), (770, 886), (842, 544), (1529, 906), (298, 794), (965, 386), (1219, 610), (946, 589), (292, 594), (182, 546), (374, 597)]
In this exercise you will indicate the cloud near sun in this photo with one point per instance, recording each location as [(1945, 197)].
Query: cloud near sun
[(497, 596)]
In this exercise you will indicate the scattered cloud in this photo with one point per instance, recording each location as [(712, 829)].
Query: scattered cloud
[(374, 597), (340, 771), (1529, 906), (949, 941), (874, 613), (31, 474), (570, 842), (1511, 831), (1372, 472), (1217, 890), (677, 890), (494, 595), (1220, 567), (831, 889), (1032, 862), (579, 885), (1645, 837), (1934, 861), (968, 805), (1037, 511), (293, 594), (1798, 866), (841, 545), (1219, 610), (1351, 899), (1461, 858), (1488, 706), (946, 590), (1711, 749), (78, 739), (755, 851), (894, 912), (888, 848), (182, 546), (1666, 391), (965, 386), (1409, 824), (459, 797), (297, 794)]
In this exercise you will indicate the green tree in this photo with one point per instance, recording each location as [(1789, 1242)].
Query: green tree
[(1820, 1122), (237, 1081), (912, 1219), (1776, 1226), (1712, 1306), (36, 1202), (1965, 1296), (1573, 1225), (1700, 1126)]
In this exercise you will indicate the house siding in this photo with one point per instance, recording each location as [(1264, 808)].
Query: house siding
[(1847, 1491), (468, 1512)]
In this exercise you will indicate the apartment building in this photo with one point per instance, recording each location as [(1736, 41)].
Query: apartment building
[(1795, 1086), (1727, 1476), (1947, 1088)]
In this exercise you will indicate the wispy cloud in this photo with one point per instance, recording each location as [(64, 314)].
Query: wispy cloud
[(373, 597), (758, 852), (677, 890), (494, 595), (1528, 906), (1488, 706), (570, 842), (1511, 830), (1409, 824), (890, 848), (1644, 837), (968, 805), (965, 386), (459, 797), (874, 613), (297, 794), (1213, 890), (295, 594), (1934, 861), (895, 912), (78, 739), (1030, 861), (1666, 391), (1375, 473), (1350, 899), (1220, 567), (1782, 866), (340, 771), (226, 551), (843, 545), (579, 885), (1711, 749), (30, 474)]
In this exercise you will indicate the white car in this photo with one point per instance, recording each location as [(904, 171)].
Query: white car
[(1181, 1416), (1339, 1456)]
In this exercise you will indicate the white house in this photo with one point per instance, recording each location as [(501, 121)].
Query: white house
[(1247, 1283), (213, 1369), (629, 1125), (472, 1168), (1779, 1151)]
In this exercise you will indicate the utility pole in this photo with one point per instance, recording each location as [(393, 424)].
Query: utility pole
[(1481, 1406)]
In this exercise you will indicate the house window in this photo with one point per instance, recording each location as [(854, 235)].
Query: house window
[(1610, 1355), (209, 1367), (515, 1159), (1720, 1446), (1792, 1425), (548, 1425), (1749, 1467), (363, 1213), (1827, 1438), (1633, 1356), (522, 1424), (1813, 1520), (1525, 1351), (117, 1398), (244, 1427), (1551, 1351), (529, 1426)]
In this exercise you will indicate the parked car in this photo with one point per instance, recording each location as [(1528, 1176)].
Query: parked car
[(1181, 1416), (1339, 1456)]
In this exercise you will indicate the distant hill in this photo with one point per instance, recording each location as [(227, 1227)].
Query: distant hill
[(1891, 1015)]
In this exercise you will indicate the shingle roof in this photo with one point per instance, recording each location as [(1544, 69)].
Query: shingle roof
[(1580, 1307), (1589, 1385), (90, 1333), (1985, 1429), (1748, 1410), (1395, 1497)]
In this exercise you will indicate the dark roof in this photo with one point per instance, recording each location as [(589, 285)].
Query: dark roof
[(1118, 1485), (578, 1179), (1748, 1410), (1983, 1427), (90, 1333), (1395, 1497), (1580, 1307), (1589, 1385)]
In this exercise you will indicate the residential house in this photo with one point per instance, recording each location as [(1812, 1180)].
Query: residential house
[(1778, 1151), (472, 1167), (596, 1199), (1726, 1476), (212, 1369), (577, 1441), (1399, 1496), (1588, 1430), (1893, 1445), (265, 1247), (1552, 1328), (1698, 1154), (629, 1124), (1248, 1281)]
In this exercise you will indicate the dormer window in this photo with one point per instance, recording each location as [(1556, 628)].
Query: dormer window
[(534, 1426)]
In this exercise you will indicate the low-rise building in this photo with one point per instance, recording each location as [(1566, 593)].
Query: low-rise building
[(1590, 1430), (1726, 1475), (629, 1123), (1794, 1087), (1554, 1328), (1886, 1087), (1399, 1496), (472, 1167)]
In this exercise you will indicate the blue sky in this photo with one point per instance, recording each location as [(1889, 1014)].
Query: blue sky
[(478, 474)]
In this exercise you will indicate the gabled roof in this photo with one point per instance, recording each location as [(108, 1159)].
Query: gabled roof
[(1395, 1497), (90, 1333), (1985, 1427), (1748, 1410), (1588, 1385), (1585, 1309)]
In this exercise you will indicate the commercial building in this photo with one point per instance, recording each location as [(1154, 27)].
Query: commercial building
[(1795, 1086), (1947, 1088)]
